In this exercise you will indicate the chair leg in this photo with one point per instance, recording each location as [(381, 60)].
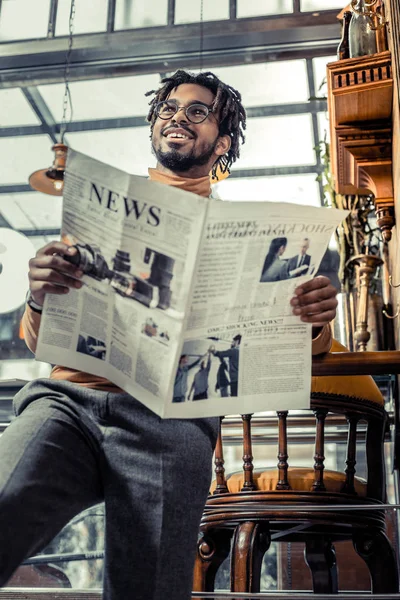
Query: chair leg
[(378, 553), (250, 543), (212, 549), (321, 559)]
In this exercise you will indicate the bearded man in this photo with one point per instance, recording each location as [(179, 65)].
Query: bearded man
[(78, 439)]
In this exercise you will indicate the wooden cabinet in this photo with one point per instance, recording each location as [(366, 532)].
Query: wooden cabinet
[(360, 105)]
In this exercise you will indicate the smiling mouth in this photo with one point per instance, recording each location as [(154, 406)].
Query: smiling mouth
[(177, 134)]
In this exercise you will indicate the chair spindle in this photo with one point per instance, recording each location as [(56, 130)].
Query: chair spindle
[(221, 487), (283, 483), (348, 486), (319, 458), (248, 467)]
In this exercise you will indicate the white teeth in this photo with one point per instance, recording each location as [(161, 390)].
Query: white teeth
[(178, 135)]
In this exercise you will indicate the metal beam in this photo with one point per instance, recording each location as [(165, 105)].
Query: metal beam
[(15, 188), (41, 109), (111, 16), (4, 222), (298, 108), (52, 18), (42, 232), (171, 12), (275, 171), (21, 130), (232, 9), (316, 132), (158, 49)]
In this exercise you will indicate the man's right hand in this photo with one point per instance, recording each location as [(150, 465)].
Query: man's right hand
[(50, 273)]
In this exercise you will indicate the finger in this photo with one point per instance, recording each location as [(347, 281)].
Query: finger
[(316, 307), (54, 262), (320, 319), (52, 276), (56, 247), (314, 284), (317, 295)]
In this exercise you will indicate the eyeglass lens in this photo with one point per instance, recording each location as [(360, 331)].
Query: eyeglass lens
[(196, 113)]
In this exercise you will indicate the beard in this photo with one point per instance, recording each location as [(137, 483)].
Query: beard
[(175, 160)]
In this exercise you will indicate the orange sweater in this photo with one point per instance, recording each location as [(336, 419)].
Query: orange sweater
[(31, 319)]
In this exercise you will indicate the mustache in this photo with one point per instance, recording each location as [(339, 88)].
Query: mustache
[(168, 127)]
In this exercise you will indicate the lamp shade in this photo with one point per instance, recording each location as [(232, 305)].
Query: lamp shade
[(15, 251), (51, 181)]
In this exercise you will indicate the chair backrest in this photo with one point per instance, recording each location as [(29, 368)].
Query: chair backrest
[(358, 399)]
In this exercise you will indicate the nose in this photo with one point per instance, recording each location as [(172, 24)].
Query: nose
[(180, 115)]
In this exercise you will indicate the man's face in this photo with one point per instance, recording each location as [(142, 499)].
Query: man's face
[(304, 247), (195, 151), (183, 361)]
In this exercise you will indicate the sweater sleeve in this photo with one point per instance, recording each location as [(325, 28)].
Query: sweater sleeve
[(323, 342), (30, 326)]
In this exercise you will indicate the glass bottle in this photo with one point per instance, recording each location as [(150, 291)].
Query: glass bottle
[(362, 36), (343, 50)]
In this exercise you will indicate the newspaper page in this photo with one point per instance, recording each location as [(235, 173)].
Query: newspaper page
[(137, 244), (244, 349)]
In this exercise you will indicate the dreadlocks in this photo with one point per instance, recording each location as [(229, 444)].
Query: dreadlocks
[(227, 103)]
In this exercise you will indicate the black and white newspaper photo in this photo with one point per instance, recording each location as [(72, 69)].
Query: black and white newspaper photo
[(185, 301)]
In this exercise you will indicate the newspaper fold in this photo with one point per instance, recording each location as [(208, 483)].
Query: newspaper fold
[(186, 300)]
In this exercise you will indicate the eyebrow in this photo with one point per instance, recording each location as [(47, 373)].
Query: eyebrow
[(190, 103)]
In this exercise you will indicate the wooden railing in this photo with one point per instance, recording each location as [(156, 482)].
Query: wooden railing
[(357, 363)]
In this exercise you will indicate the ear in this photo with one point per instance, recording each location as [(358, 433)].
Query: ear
[(223, 145)]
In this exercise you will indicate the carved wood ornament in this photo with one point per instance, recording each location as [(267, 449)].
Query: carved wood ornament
[(360, 105)]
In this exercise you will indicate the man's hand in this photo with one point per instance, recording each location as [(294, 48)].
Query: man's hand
[(315, 302), (49, 273)]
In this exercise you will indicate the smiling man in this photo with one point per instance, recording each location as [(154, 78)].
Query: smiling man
[(78, 439)]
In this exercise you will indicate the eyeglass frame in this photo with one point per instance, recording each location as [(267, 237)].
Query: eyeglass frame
[(185, 108)]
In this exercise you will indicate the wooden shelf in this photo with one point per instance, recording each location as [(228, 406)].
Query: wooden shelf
[(360, 105)]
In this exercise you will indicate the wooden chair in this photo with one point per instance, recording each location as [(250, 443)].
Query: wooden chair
[(298, 504)]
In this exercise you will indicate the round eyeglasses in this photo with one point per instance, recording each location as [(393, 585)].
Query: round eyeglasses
[(196, 113)]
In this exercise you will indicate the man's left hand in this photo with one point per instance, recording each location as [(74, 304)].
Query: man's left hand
[(315, 301)]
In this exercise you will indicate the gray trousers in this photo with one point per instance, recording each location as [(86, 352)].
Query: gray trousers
[(70, 448)]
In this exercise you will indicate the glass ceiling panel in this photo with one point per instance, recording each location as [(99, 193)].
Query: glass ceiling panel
[(268, 83), (126, 149), (300, 189), (89, 16), (309, 5), (20, 156), (103, 98), (139, 13), (31, 210), (15, 109), (278, 142), (23, 19), (190, 12), (319, 65), (263, 7)]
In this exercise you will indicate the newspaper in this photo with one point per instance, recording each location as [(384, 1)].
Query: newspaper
[(186, 300)]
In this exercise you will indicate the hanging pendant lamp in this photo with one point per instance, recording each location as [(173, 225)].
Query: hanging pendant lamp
[(51, 180)]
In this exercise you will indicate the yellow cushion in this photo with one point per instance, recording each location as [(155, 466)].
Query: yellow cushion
[(300, 479), (353, 386)]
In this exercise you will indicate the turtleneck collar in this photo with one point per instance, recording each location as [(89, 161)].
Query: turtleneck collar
[(200, 186)]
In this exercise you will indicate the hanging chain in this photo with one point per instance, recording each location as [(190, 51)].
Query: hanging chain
[(201, 34), (67, 102)]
